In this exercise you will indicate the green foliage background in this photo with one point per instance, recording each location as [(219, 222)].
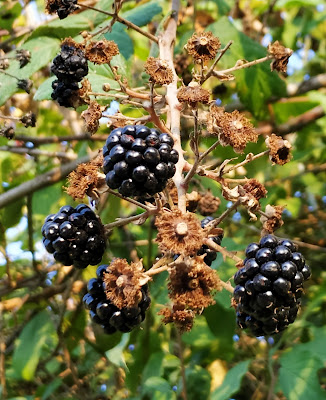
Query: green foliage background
[(49, 349)]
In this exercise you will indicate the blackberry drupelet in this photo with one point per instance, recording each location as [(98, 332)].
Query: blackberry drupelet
[(269, 286), (210, 254), (75, 236), (138, 161), (106, 314), (66, 94), (70, 65)]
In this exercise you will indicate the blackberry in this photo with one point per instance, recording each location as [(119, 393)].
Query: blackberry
[(138, 161), (210, 254), (66, 94), (269, 286), (106, 314), (70, 65), (75, 236)]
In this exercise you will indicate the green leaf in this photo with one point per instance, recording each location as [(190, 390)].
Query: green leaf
[(122, 39), (154, 366), (8, 13), (256, 84), (224, 6), (143, 14), (11, 214), (29, 345), (115, 355), (158, 389), (43, 49), (232, 381), (298, 375), (198, 383)]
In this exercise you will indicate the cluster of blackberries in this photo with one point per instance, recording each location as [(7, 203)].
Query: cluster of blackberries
[(210, 254), (269, 286), (75, 236), (70, 66), (138, 161), (62, 7), (106, 314)]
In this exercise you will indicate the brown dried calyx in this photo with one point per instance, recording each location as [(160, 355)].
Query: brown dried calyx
[(86, 180), (272, 219), (279, 149), (183, 318), (159, 71), (281, 56), (123, 282), (102, 51), (203, 46), (192, 283), (248, 195), (178, 233), (92, 116), (192, 199), (84, 91), (193, 94), (208, 204), (232, 129)]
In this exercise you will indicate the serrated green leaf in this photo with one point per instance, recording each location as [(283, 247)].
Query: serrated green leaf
[(256, 84), (43, 49), (29, 345), (231, 382), (144, 13), (298, 375)]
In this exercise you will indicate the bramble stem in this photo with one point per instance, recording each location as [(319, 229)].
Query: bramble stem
[(250, 157), (227, 286), (213, 224), (122, 20), (242, 66), (222, 250), (137, 203)]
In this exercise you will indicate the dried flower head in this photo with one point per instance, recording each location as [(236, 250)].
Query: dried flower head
[(159, 71), (23, 56), (62, 7), (86, 180), (28, 119), (192, 283), (4, 62), (255, 188), (123, 282), (281, 56), (208, 204), (178, 233), (192, 94), (183, 319), (25, 84), (102, 51), (272, 219), (233, 128), (203, 46), (279, 149), (92, 116), (248, 195), (7, 131)]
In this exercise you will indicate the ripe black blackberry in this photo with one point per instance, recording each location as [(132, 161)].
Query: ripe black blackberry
[(138, 161), (75, 236), (269, 286), (66, 94), (70, 65), (106, 314), (210, 254)]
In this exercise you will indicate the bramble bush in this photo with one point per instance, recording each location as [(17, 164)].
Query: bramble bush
[(163, 200)]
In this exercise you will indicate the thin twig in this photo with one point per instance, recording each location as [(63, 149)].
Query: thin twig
[(242, 66), (31, 231), (127, 220), (211, 70), (213, 224), (133, 201), (122, 21), (37, 152), (222, 250), (250, 157)]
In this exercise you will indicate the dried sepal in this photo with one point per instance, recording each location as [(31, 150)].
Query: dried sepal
[(255, 188), (84, 91), (7, 131), (102, 51), (23, 56), (203, 46), (279, 149), (28, 119), (193, 94), (232, 129), (86, 179), (123, 282), (25, 84), (208, 204), (281, 56), (272, 219), (178, 233), (92, 116), (192, 283), (159, 71)]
